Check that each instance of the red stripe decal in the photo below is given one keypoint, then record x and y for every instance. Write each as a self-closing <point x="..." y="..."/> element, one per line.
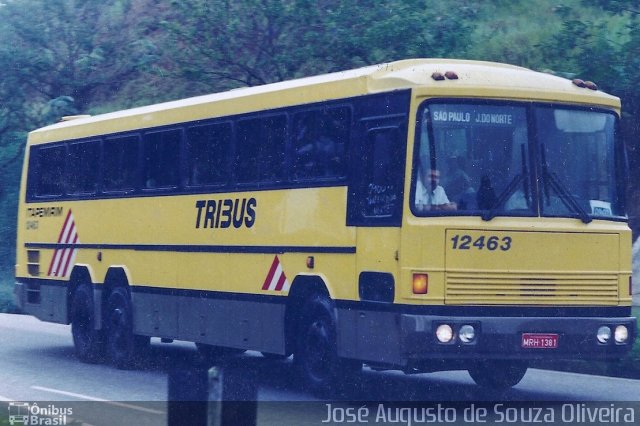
<point x="281" y="282"/>
<point x="57" y="253"/>
<point x="272" y="271"/>
<point x="53" y="260"/>
<point x="68" y="262"/>
<point x="64" y="226"/>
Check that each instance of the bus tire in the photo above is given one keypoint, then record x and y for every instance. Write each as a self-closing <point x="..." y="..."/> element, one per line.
<point x="316" y="355"/>
<point x="498" y="375"/>
<point x="121" y="342"/>
<point x="87" y="341"/>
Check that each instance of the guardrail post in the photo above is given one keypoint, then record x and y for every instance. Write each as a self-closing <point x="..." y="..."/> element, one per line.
<point x="233" y="396"/>
<point x="188" y="395"/>
<point x="218" y="396"/>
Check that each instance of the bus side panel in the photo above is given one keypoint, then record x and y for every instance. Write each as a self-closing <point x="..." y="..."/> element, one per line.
<point x="369" y="336"/>
<point x="233" y="323"/>
<point x="46" y="300"/>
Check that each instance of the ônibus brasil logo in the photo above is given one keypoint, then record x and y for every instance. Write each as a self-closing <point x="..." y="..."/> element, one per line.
<point x="23" y="413"/>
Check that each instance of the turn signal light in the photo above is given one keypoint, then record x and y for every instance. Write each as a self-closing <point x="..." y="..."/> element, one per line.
<point x="451" y="75"/>
<point x="420" y="283"/>
<point x="585" y="84"/>
<point x="578" y="82"/>
<point x="591" y="85"/>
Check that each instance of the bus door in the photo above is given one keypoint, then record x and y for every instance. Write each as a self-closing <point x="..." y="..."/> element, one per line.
<point x="375" y="208"/>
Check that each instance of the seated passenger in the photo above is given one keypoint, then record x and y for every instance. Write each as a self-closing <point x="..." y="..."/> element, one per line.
<point x="429" y="194"/>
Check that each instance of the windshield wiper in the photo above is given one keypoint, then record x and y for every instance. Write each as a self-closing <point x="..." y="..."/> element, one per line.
<point x="565" y="196"/>
<point x="511" y="188"/>
<point x="503" y="197"/>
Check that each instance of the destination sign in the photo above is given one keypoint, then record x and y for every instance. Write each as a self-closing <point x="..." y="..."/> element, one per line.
<point x="477" y="115"/>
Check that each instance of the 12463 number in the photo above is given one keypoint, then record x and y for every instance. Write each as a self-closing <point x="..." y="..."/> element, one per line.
<point x="466" y="242"/>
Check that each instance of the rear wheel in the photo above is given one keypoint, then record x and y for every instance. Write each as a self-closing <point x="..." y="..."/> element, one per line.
<point x="122" y="345"/>
<point x="498" y="374"/>
<point x="316" y="356"/>
<point x="87" y="341"/>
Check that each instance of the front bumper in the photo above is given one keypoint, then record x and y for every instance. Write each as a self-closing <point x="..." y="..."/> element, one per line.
<point x="502" y="337"/>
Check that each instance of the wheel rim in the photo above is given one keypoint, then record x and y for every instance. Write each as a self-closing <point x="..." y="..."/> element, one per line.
<point x="82" y="326"/>
<point x="318" y="356"/>
<point x="117" y="324"/>
<point x="119" y="332"/>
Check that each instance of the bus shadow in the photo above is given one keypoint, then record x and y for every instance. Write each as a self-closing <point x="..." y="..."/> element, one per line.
<point x="277" y="380"/>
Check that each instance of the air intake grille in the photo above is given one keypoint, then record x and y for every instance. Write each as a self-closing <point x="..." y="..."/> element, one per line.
<point x="505" y="288"/>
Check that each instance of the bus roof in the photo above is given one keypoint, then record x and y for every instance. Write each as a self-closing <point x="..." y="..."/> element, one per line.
<point x="474" y="79"/>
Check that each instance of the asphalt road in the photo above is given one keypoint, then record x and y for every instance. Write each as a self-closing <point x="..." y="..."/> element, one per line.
<point x="37" y="364"/>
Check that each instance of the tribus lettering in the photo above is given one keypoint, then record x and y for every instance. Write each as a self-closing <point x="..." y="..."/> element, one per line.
<point x="227" y="212"/>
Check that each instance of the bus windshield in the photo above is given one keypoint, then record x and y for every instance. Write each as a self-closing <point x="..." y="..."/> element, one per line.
<point x="476" y="159"/>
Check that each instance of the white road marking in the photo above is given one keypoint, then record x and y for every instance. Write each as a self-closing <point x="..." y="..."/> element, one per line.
<point x="93" y="398"/>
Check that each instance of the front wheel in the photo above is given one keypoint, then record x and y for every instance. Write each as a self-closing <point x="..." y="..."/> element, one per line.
<point x="316" y="356"/>
<point x="498" y="374"/>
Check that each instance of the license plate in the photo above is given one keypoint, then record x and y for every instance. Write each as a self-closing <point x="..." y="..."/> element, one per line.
<point x="539" y="341"/>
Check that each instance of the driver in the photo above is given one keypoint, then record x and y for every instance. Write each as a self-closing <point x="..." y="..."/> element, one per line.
<point x="429" y="194"/>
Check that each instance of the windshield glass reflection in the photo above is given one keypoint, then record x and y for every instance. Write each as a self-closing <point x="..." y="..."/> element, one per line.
<point x="481" y="155"/>
<point x="475" y="159"/>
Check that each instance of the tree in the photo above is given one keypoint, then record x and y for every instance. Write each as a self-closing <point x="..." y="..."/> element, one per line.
<point x="229" y="43"/>
<point x="82" y="49"/>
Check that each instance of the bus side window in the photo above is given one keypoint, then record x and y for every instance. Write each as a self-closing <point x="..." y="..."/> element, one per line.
<point x="320" y="140"/>
<point x="120" y="158"/>
<point x="49" y="171"/>
<point x="260" y="149"/>
<point x="83" y="173"/>
<point x="207" y="154"/>
<point x="272" y="148"/>
<point x="160" y="162"/>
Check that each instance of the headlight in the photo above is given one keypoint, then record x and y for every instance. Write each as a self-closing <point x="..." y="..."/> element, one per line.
<point x="621" y="334"/>
<point x="467" y="334"/>
<point x="444" y="333"/>
<point x="604" y="334"/>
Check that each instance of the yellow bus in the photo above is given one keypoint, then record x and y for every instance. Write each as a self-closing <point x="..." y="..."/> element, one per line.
<point x="419" y="215"/>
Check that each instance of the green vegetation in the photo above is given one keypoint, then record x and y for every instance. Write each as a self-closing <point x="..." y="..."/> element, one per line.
<point x="6" y="299"/>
